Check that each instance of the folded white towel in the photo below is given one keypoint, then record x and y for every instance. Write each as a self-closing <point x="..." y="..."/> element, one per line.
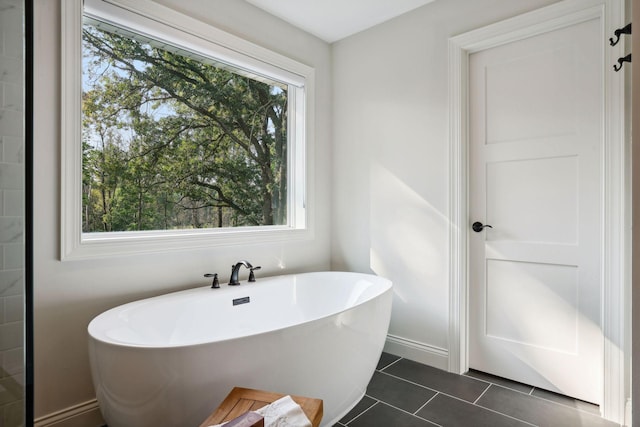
<point x="283" y="412"/>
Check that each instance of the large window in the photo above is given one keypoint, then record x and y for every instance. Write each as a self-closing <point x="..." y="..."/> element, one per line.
<point x="188" y="136"/>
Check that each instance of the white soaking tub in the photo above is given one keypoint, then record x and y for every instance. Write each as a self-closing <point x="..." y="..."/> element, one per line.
<point x="170" y="360"/>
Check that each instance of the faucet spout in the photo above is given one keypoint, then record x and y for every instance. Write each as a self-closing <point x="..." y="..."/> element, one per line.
<point x="235" y="269"/>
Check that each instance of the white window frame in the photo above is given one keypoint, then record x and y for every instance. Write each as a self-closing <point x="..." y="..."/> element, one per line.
<point x="159" y="22"/>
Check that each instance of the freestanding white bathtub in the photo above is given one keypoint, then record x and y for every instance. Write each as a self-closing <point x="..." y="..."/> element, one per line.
<point x="170" y="360"/>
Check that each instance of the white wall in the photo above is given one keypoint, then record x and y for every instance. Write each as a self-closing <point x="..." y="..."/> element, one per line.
<point x="390" y="161"/>
<point x="69" y="294"/>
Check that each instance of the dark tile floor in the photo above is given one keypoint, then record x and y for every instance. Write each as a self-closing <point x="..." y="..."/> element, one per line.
<point x="403" y="393"/>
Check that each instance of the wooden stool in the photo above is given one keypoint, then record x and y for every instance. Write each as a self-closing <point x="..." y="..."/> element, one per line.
<point x="242" y="400"/>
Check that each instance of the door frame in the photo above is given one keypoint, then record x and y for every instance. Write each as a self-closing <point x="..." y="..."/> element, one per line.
<point x="615" y="225"/>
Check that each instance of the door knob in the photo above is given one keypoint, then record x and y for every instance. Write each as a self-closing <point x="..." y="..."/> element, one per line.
<point x="478" y="226"/>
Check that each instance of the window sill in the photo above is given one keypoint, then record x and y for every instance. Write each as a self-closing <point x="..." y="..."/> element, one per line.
<point x="114" y="244"/>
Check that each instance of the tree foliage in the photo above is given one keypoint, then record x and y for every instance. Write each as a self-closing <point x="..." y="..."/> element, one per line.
<point x="173" y="140"/>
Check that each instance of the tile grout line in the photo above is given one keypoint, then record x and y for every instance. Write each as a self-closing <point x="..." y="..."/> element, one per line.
<point x="488" y="409"/>
<point x="457" y="398"/>
<point x="507" y="415"/>
<point x="366" y="410"/>
<point x="552" y="402"/>
<point x="382" y="402"/>
<point x="390" y="364"/>
<point x="433" y="389"/>
<point x="531" y="393"/>
<point x="533" y="389"/>
<point x="411" y="382"/>
<point x="466" y="401"/>
<point x="492" y="381"/>
<point x="426" y="403"/>
<point x="475" y="402"/>
<point x="566" y="405"/>
<point x="494" y="410"/>
<point x="408" y="413"/>
<point x="453" y="397"/>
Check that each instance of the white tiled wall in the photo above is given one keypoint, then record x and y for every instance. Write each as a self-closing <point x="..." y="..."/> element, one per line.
<point x="11" y="214"/>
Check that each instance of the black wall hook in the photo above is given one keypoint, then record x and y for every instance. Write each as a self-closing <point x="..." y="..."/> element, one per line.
<point x="624" y="30"/>
<point x="621" y="61"/>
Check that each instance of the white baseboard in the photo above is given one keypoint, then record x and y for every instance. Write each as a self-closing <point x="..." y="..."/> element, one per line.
<point x="85" y="414"/>
<point x="417" y="351"/>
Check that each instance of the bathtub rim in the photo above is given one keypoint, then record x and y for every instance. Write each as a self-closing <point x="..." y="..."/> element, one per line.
<point x="387" y="287"/>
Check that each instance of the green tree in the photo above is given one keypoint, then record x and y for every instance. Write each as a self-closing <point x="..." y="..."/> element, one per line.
<point x="176" y="141"/>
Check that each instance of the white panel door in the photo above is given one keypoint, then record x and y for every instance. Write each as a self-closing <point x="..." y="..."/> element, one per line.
<point x="535" y="177"/>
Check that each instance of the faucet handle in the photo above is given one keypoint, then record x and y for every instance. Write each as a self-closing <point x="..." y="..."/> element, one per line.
<point x="216" y="283"/>
<point x="252" y="276"/>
